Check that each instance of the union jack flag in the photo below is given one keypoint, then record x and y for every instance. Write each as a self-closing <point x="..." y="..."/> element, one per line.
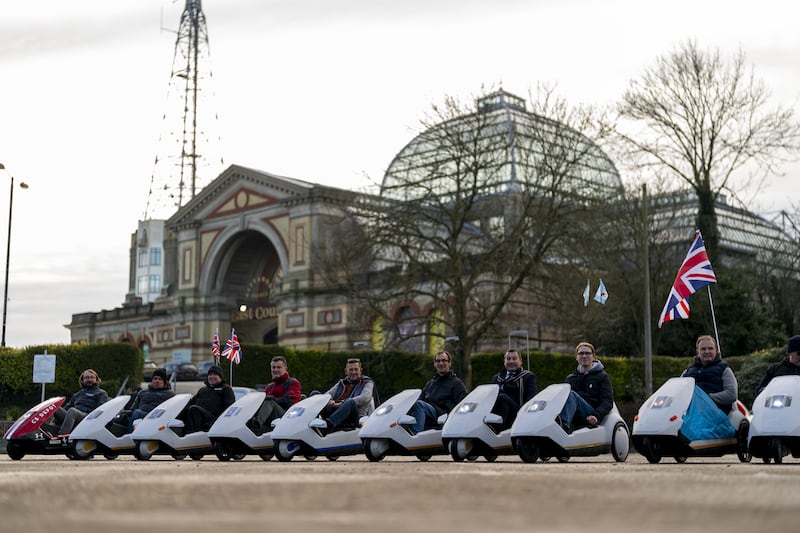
<point x="695" y="273"/>
<point x="215" y="348"/>
<point x="233" y="351"/>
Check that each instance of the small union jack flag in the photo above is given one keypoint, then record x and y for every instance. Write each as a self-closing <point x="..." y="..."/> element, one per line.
<point x="233" y="351"/>
<point x="215" y="348"/>
<point x="695" y="273"/>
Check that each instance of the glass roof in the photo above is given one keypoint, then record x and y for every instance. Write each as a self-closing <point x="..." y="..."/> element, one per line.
<point x="741" y="231"/>
<point x="508" y="148"/>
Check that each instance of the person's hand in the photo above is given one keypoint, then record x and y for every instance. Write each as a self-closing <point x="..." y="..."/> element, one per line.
<point x="592" y="420"/>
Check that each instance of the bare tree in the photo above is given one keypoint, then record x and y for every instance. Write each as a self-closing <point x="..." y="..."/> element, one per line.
<point x="470" y="215"/>
<point x="707" y="122"/>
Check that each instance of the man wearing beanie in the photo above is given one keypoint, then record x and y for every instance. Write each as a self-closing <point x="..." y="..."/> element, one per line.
<point x="157" y="391"/>
<point x="788" y="366"/>
<point x="209" y="402"/>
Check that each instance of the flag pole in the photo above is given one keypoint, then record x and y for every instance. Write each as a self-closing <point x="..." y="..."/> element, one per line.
<point x="648" y="335"/>
<point x="586" y="294"/>
<point x="714" y="319"/>
<point x="231" y="372"/>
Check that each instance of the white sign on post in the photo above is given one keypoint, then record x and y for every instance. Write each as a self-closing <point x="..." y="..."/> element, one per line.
<point x="183" y="355"/>
<point x="44" y="368"/>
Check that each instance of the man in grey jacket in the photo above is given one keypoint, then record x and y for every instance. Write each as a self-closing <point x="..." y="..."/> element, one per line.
<point x="351" y="397"/>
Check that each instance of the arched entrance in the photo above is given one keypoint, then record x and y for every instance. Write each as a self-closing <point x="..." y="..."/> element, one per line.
<point x="249" y="281"/>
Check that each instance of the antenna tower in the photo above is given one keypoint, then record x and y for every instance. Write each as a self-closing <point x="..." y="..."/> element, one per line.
<point x="187" y="158"/>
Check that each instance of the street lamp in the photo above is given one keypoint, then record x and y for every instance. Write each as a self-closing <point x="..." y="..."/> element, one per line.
<point x="23" y="185"/>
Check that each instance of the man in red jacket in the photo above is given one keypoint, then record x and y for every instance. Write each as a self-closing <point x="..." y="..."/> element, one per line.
<point x="282" y="393"/>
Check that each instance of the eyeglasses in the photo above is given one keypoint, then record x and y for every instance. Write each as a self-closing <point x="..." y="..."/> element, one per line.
<point x="441" y="360"/>
<point x="584" y="353"/>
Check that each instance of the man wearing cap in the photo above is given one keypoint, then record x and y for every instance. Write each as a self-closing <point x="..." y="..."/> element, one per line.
<point x="788" y="366"/>
<point x="209" y="402"/>
<point x="157" y="391"/>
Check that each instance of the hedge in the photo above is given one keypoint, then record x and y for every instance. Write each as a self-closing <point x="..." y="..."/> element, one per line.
<point x="393" y="371"/>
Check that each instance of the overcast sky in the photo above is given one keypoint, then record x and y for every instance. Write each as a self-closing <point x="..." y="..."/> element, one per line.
<point x="321" y="90"/>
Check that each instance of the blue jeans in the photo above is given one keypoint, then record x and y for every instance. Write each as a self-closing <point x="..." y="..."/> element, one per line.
<point x="422" y="411"/>
<point x="135" y="415"/>
<point x="575" y="405"/>
<point x="345" y="413"/>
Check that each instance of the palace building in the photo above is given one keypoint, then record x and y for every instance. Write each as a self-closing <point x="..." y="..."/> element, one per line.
<point x="241" y="253"/>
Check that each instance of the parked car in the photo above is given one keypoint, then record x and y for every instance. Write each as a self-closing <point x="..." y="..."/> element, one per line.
<point x="202" y="368"/>
<point x="147" y="371"/>
<point x="182" y="371"/>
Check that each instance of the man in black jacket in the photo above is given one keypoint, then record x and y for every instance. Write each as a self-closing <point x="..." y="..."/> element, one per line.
<point x="440" y="394"/>
<point x="788" y="366"/>
<point x="713" y="375"/>
<point x="592" y="396"/>
<point x="157" y="392"/>
<point x="209" y="402"/>
<point x="82" y="402"/>
<point x="517" y="386"/>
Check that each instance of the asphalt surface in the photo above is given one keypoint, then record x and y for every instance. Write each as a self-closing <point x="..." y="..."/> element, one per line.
<point x="51" y="493"/>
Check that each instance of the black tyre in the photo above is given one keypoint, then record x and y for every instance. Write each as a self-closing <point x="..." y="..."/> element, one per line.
<point x="284" y="450"/>
<point x="372" y="450"/>
<point x="742" y="434"/>
<point x="453" y="449"/>
<point x="15" y="450"/>
<point x="528" y="450"/>
<point x="223" y="451"/>
<point x="620" y="442"/>
<point x="776" y="450"/>
<point x="650" y="450"/>
<point x="80" y="450"/>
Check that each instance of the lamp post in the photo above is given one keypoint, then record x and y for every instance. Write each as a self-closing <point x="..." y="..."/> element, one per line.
<point x="8" y="251"/>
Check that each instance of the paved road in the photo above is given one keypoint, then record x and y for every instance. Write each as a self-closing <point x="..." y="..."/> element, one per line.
<point x="39" y="494"/>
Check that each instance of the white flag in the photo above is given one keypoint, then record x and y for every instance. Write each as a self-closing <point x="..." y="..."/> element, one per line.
<point x="601" y="295"/>
<point x="586" y="294"/>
